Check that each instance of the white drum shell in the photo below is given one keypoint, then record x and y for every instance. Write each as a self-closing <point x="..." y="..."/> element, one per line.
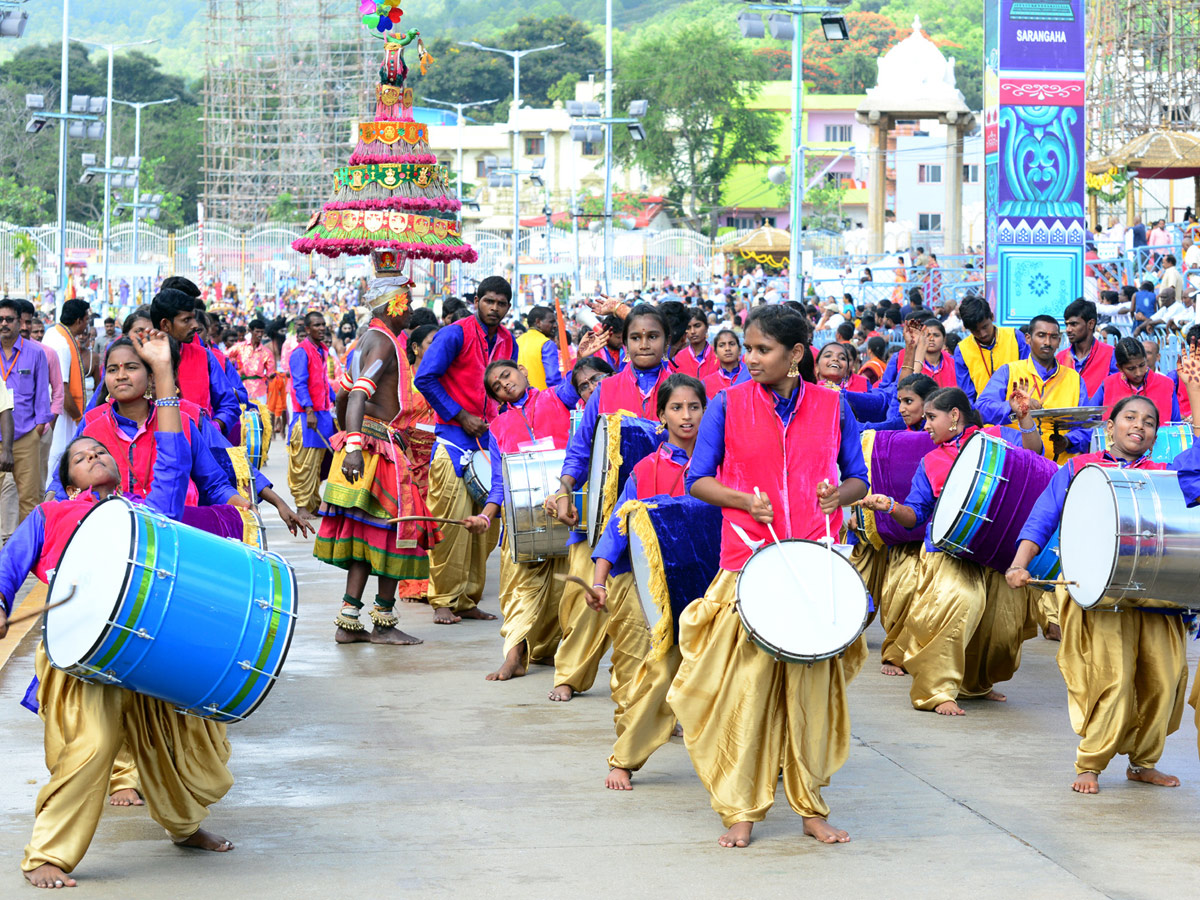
<point x="529" y="478"/>
<point x="597" y="474"/>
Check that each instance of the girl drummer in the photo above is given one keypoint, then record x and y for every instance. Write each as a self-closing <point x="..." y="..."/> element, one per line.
<point x="1135" y="378"/>
<point x="907" y="409"/>
<point x="646" y="722"/>
<point x="531" y="420"/>
<point x="634" y="390"/>
<point x="732" y="370"/>
<point x="696" y="358"/>
<point x="766" y="452"/>
<point x="1126" y="672"/>
<point x="182" y="759"/>
<point x="959" y="640"/>
<point x="835" y="369"/>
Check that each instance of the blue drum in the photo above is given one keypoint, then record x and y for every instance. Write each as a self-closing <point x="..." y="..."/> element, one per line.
<point x="1173" y="438"/>
<point x="256" y="437"/>
<point x="674" y="551"/>
<point x="170" y="611"/>
<point x="580" y="495"/>
<point x="620" y="443"/>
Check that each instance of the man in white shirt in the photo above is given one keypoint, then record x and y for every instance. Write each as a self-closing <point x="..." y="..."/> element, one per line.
<point x="1171" y="277"/>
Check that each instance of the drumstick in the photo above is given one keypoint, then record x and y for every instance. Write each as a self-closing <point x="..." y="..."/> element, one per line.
<point x="437" y="519"/>
<point x="587" y="588"/>
<point x="829" y="544"/>
<point x="1059" y="583"/>
<point x="33" y="614"/>
<point x="787" y="562"/>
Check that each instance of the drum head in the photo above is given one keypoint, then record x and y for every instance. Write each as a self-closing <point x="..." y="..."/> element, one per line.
<point x="641" y="579"/>
<point x="959" y="486"/>
<point x="1088" y="536"/>
<point x="807" y="619"/>
<point x="481" y="465"/>
<point x="599" y="466"/>
<point x="96" y="563"/>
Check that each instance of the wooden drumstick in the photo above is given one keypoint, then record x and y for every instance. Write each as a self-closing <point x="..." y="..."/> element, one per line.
<point x="1059" y="583"/>
<point x="829" y="544"/>
<point x="587" y="588"/>
<point x="787" y="562"/>
<point x="25" y="617"/>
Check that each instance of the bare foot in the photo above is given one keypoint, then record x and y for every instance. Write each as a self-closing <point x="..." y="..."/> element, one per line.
<point x="677" y="731"/>
<point x="476" y="613"/>
<point x="444" y="615"/>
<point x="1086" y="783"/>
<point x="391" y="635"/>
<point x="995" y="696"/>
<point x="738" y="835"/>
<point x="891" y="669"/>
<point x="618" y="780"/>
<point x="1152" y="776"/>
<point x="562" y="693"/>
<point x="206" y="840"/>
<point x="949" y="708"/>
<point x="126" y="797"/>
<point x="48" y="876"/>
<point x="1052" y="632"/>
<point x="342" y="636"/>
<point x="823" y="831"/>
<point x="512" y="667"/>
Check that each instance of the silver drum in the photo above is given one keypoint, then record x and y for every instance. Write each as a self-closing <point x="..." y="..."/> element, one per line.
<point x="529" y="478"/>
<point x="1129" y="540"/>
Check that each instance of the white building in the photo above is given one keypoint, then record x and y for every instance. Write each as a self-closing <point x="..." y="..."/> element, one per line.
<point x="919" y="161"/>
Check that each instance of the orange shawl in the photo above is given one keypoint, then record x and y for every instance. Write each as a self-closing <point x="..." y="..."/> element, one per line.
<point x="75" y="383"/>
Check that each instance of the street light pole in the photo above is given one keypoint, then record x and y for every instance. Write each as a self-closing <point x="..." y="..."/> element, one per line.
<point x="459" y="124"/>
<point x="515" y="56"/>
<point x="110" y="49"/>
<point x="137" y="151"/>
<point x="608" y="140"/>
<point x="62" y="168"/>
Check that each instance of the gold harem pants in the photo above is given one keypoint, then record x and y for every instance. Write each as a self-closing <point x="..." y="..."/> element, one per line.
<point x="746" y="716"/>
<point x="181" y="761"/>
<point x="458" y="562"/>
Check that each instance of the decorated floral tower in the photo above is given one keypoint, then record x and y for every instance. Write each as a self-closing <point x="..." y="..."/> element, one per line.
<point x="390" y="200"/>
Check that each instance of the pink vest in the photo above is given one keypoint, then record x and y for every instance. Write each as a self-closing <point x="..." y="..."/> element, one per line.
<point x="61" y="518"/>
<point x="1185" y="405"/>
<point x="318" y="378"/>
<point x="193" y="374"/>
<point x="659" y="474"/>
<point x="857" y="383"/>
<point x="620" y="392"/>
<point x="687" y="363"/>
<point x="786" y="464"/>
<point x="1156" y="388"/>
<point x="1095" y="367"/>
<point x="542" y="416"/>
<point x="463" y="378"/>
<point x="1078" y="462"/>
<point x="944" y="376"/>
<point x="135" y="458"/>
<point x="940" y="459"/>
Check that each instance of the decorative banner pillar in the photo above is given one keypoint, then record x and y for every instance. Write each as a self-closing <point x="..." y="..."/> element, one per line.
<point x="1034" y="156"/>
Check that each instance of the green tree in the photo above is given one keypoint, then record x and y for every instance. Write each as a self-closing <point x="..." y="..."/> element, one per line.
<point x="849" y="67"/>
<point x="25" y="253"/>
<point x="699" y="123"/>
<point x="24" y="204"/>
<point x="283" y="208"/>
<point x="564" y="89"/>
<point x="823" y="199"/>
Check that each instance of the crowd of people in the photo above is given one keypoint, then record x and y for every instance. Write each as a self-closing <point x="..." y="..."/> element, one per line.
<point x="399" y="424"/>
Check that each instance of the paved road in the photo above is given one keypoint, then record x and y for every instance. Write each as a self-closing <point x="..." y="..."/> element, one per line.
<point x="381" y="771"/>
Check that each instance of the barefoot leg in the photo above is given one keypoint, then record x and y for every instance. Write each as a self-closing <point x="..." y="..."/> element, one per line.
<point x="1151" y="775"/>
<point x="891" y="669"/>
<point x="48" y="876"/>
<point x="126" y="797"/>
<point x="738" y="835"/>
<point x="1052" y="632"/>
<point x="619" y="780"/>
<point x="476" y="613"/>
<point x="513" y="666"/>
<point x="823" y="831"/>
<point x="390" y="634"/>
<point x="205" y="840"/>
<point x="1086" y="783"/>
<point x="444" y="615"/>
<point x="562" y="693"/>
<point x="949" y="708"/>
<point x="994" y="696"/>
<point x="342" y="636"/>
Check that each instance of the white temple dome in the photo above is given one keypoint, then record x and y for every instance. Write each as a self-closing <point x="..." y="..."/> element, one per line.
<point x="914" y="77"/>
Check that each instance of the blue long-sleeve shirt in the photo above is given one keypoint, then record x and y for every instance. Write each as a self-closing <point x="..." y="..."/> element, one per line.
<point x="447" y="344"/>
<point x="870" y="405"/>
<point x="550" y="364"/>
<point x="963" y="375"/>
<point x="893" y="421"/>
<point x="225" y="406"/>
<point x="28" y="378"/>
<point x="315" y="438"/>
<point x="710" y="440"/>
<point x="613" y="545"/>
<point x="891" y="373"/>
<point x="567" y="396"/>
<point x="219" y="446"/>
<point x="234" y="379"/>
<point x="166" y="496"/>
<point x="211" y="480"/>
<point x="1176" y="413"/>
<point x="993" y="403"/>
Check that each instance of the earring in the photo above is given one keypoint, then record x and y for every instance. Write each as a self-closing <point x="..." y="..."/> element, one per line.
<point x="794" y="371"/>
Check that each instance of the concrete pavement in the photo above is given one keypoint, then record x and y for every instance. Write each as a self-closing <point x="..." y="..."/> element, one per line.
<point x="398" y="771"/>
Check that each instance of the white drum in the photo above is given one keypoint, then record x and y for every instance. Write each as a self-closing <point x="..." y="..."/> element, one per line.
<point x="597" y="472"/>
<point x="792" y="609"/>
<point x="529" y="478"/>
<point x="1128" y="539"/>
<point x="477" y="473"/>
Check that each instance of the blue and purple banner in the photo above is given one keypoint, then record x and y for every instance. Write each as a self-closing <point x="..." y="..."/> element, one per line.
<point x="1034" y="160"/>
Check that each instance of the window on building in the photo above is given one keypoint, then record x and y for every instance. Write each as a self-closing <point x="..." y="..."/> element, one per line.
<point x="838" y="133"/>
<point x="929" y="174"/>
<point x="535" y="146"/>
<point x="748" y="221"/>
<point x="970" y="174"/>
<point x="834" y="179"/>
<point x="590" y="149"/>
<point x="929" y="221"/>
<point x="480" y="168"/>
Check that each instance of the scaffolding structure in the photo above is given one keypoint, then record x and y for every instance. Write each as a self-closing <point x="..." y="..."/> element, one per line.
<point x="285" y="84"/>
<point x="1143" y="69"/>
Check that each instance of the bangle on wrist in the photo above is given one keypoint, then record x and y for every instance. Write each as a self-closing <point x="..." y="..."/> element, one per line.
<point x="486" y="518"/>
<point x="891" y="504"/>
<point x="599" y="587"/>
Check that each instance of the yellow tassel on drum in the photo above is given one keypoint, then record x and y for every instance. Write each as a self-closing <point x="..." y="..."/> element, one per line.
<point x="241" y="470"/>
<point x="609" y="501"/>
<point x="635" y="514"/>
<point x="251" y="531"/>
<point x="868" y="515"/>
<point x="265" y="415"/>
